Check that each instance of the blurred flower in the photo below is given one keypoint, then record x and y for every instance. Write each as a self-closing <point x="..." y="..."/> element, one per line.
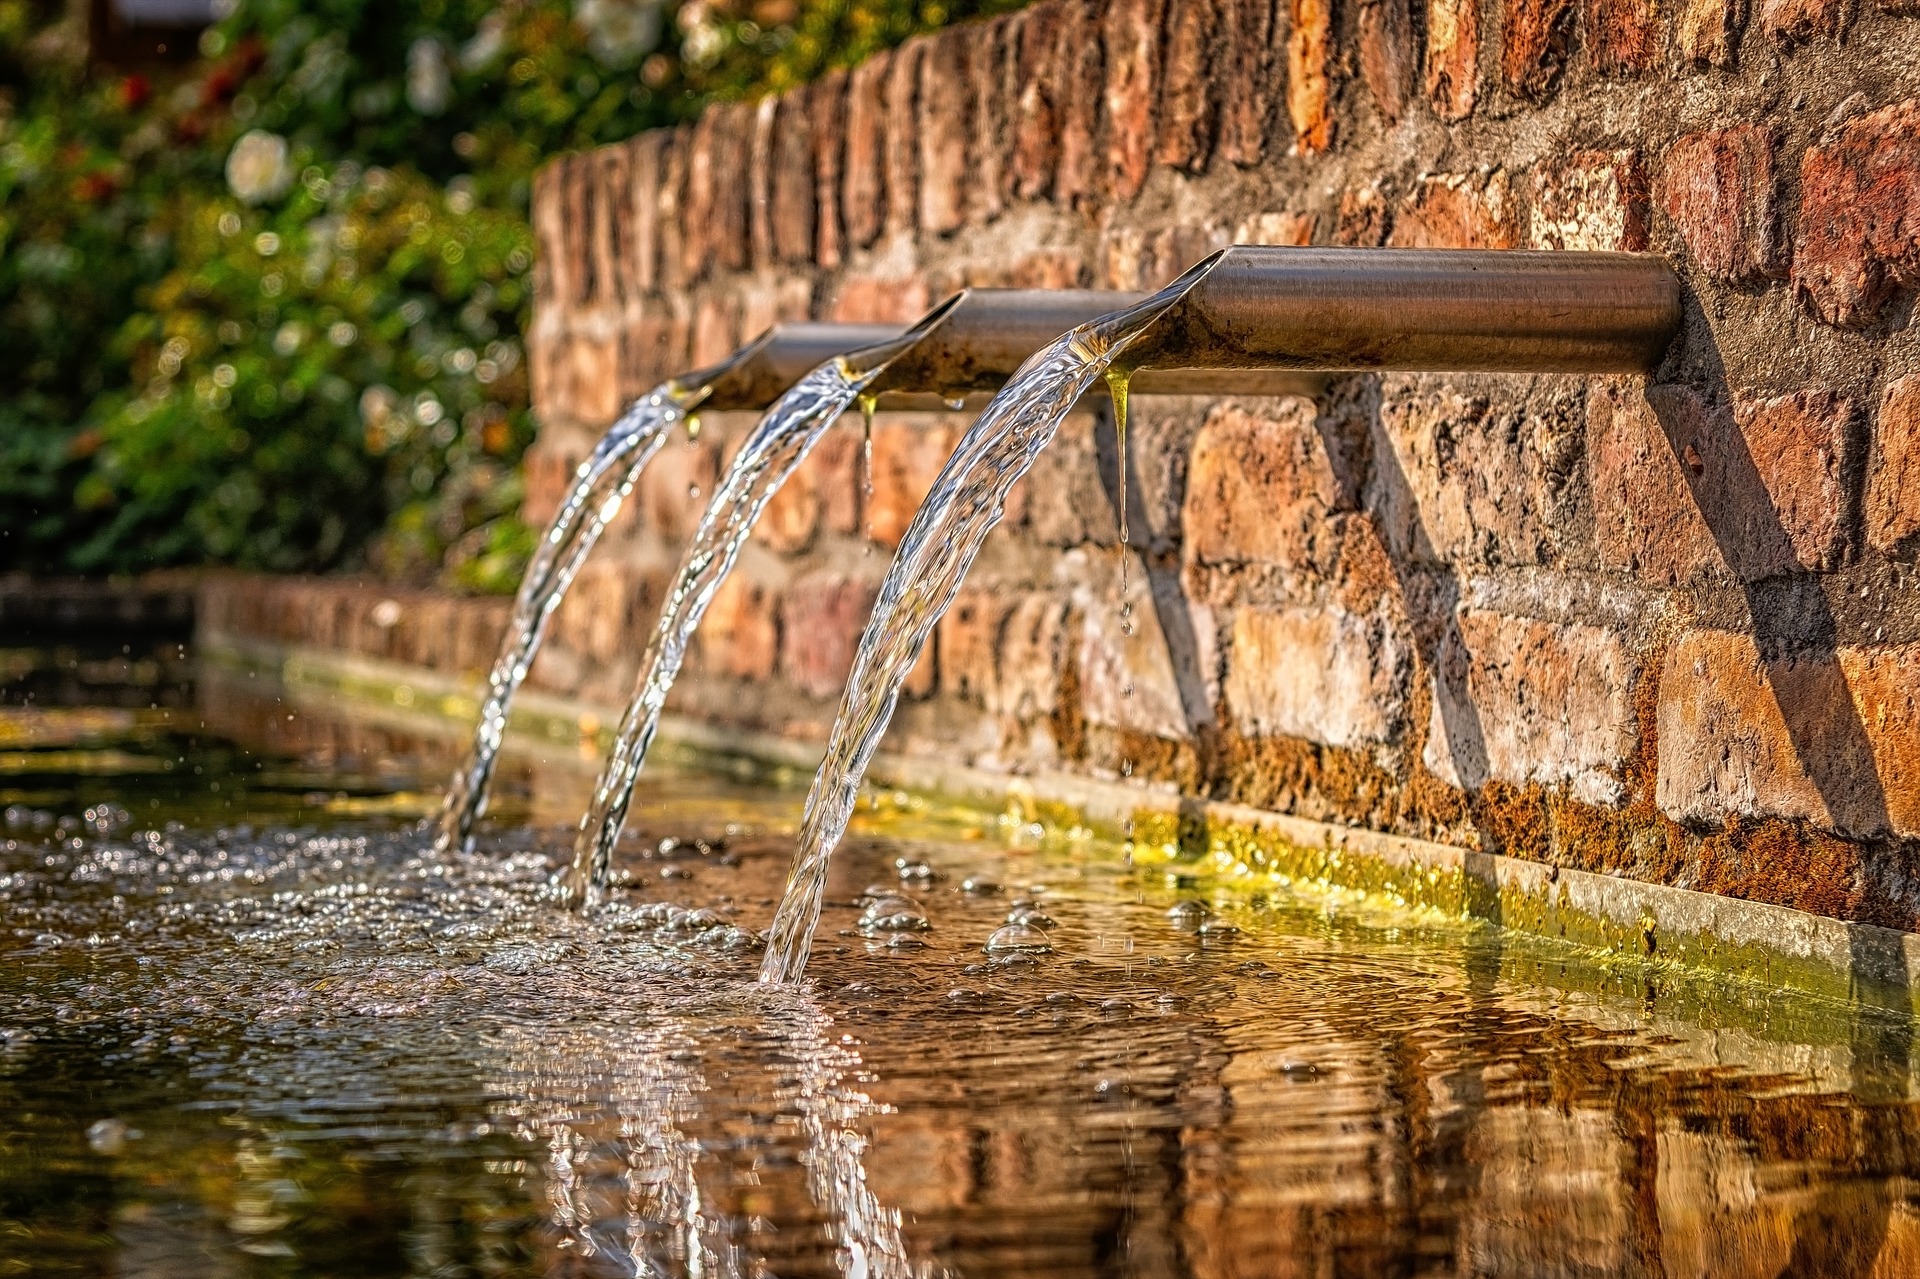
<point x="257" y="167"/>
<point x="618" y="31"/>
<point x="134" y="92"/>
<point x="429" y="81"/>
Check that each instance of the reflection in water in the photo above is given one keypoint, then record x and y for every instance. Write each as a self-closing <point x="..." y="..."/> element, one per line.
<point x="312" y="1046"/>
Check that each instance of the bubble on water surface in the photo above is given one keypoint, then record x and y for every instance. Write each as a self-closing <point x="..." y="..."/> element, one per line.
<point x="1019" y="939"/>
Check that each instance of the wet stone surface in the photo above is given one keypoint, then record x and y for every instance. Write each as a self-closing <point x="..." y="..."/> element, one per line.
<point x="265" y="1030"/>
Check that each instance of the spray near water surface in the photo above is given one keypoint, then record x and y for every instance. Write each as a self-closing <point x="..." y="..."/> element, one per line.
<point x="966" y="501"/>
<point x="776" y="448"/>
<point x="600" y="484"/>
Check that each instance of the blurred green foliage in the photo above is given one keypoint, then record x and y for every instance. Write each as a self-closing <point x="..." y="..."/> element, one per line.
<point x="266" y="308"/>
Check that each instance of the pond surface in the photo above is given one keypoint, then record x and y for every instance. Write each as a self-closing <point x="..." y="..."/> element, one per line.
<point x="250" y="1025"/>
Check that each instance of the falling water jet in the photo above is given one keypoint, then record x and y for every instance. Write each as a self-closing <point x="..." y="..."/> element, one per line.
<point x="600" y="485"/>
<point x="1302" y="309"/>
<point x="772" y="452"/>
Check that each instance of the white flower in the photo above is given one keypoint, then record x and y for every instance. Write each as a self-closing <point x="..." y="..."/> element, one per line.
<point x="257" y="168"/>
<point x="618" y="31"/>
<point x="429" y="81"/>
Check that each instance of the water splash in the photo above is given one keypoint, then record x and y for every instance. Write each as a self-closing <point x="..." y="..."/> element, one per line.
<point x="778" y="445"/>
<point x="600" y="484"/>
<point x="967" y="500"/>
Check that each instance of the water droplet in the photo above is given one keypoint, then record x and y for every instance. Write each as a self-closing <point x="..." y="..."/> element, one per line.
<point x="1188" y="914"/>
<point x="693" y="492"/>
<point x="894" y="913"/>
<point x="1019" y="939"/>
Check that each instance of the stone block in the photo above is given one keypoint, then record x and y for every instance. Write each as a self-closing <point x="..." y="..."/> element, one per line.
<point x="946" y="93"/>
<point x="1131" y="37"/>
<point x="1067" y="504"/>
<point x="908" y="451"/>
<point x="1831" y="738"/>
<point x="1248" y="64"/>
<point x="970" y="644"/>
<point x="863" y="189"/>
<point x="740" y="635"/>
<point x="1720" y="191"/>
<point x="1622" y="35"/>
<point x="1857" y="238"/>
<point x="1458" y="211"/>
<point x="1310" y="74"/>
<point x="1529" y="702"/>
<point x="867" y="300"/>
<point x="1276" y="228"/>
<point x="1453" y="58"/>
<point x="822" y="617"/>
<point x="1795" y="21"/>
<point x="677" y="485"/>
<point x="1324" y="675"/>
<point x="827" y="114"/>
<point x="1261" y="490"/>
<point x="1079" y="81"/>
<point x="1535" y="38"/>
<point x="1387" y="55"/>
<point x="1893" y="473"/>
<point x="1036" y="112"/>
<point x="902" y="145"/>
<point x="1026" y="673"/>
<point x="793" y="186"/>
<point x="1706" y="31"/>
<point x="1134" y="676"/>
<point x="1189" y="104"/>
<point x="1590" y="200"/>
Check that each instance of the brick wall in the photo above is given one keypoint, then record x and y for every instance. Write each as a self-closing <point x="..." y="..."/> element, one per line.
<point x="1669" y="629"/>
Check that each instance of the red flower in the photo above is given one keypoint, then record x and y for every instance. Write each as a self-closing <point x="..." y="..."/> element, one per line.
<point x="134" y="92"/>
<point x="95" y="188"/>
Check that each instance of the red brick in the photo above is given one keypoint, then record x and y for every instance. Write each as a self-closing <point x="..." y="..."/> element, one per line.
<point x="903" y="136"/>
<point x="1037" y="114"/>
<point x="1189" y="105"/>
<point x="613" y="243"/>
<point x="776" y="300"/>
<point x="1079" y="83"/>
<point x="1720" y="192"/>
<point x="864" y="179"/>
<point x="792" y="196"/>
<point x="1799" y="20"/>
<point x="1260" y="491"/>
<point x="823" y="490"/>
<point x="1858" y="234"/>
<point x="1591" y="200"/>
<point x="548" y="467"/>
<point x="1828" y="738"/>
<point x="1125" y="664"/>
<point x="655" y="347"/>
<point x="740" y="635"/>
<point x="677" y="485"/>
<point x="1453" y="57"/>
<point x="822" y="617"/>
<point x="1131" y="34"/>
<point x="1893" y="475"/>
<point x="827" y="113"/>
<point x="1247" y="75"/>
<point x="1551" y="704"/>
<point x="837" y="470"/>
<point x="946" y="116"/>
<point x="1175" y="248"/>
<point x="1048" y="269"/>
<point x="1362" y="220"/>
<point x="908" y="451"/>
<point x="719" y="226"/>
<point x="589" y="380"/>
<point x="671" y="212"/>
<point x="1706" y="31"/>
<point x="1458" y="211"/>
<point x="1326" y="675"/>
<point x="1276" y="228"/>
<point x="1026" y="675"/>
<point x="578" y="215"/>
<point x="716" y="328"/>
<point x="1310" y="74"/>
<point x="995" y="54"/>
<point x="1534" y="40"/>
<point x="1066" y="502"/>
<point x="643" y="212"/>
<point x="550" y="282"/>
<point x="1623" y="35"/>
<point x="1645" y="518"/>
<point x="865" y="300"/>
<point x="970" y="643"/>
<point x="1387" y="55"/>
<point x="760" y="184"/>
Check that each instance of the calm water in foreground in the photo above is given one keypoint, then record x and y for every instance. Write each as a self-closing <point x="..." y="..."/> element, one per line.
<point x="251" y="1025"/>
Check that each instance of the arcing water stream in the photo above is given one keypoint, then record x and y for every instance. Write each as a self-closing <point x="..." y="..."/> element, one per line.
<point x="600" y="485"/>
<point x="966" y="501"/>
<point x="775" y="449"/>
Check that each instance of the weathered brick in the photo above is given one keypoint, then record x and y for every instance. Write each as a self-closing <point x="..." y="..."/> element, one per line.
<point x="1591" y="200"/>
<point x="1458" y="211"/>
<point x="1387" y="57"/>
<point x="740" y="635"/>
<point x="822" y="617"/>
<point x="792" y="197"/>
<point x="827" y="113"/>
<point x="1324" y="674"/>
<point x="1249" y="35"/>
<point x="946" y="114"/>
<point x="970" y="644"/>
<point x="1173" y="249"/>
<point x="717" y="160"/>
<point x="1079" y="88"/>
<point x="1131" y="37"/>
<point x="908" y="451"/>
<point x="776" y="300"/>
<point x="1529" y="702"/>
<point x="1036" y="112"/>
<point x="1066" y="502"/>
<point x="655" y="347"/>
<point x="1261" y="491"/>
<point x="1829" y="738"/>
<point x="1048" y="269"/>
<point x="866" y="300"/>
<point x="1310" y="74"/>
<point x="589" y="387"/>
<point x="994" y="77"/>
<point x="1706" y="31"/>
<point x="1893" y="476"/>
<point x="1276" y="228"/>
<point x="1534" y="40"/>
<point x="1128" y="665"/>
<point x="760" y="253"/>
<point x="1453" y="57"/>
<point x="1026" y="672"/>
<point x="1363" y="219"/>
<point x="613" y="239"/>
<point x="902" y="150"/>
<point x="716" y="328"/>
<point x="864" y="179"/>
<point x="671" y="210"/>
<point x="1189" y="105"/>
<point x="677" y="485"/>
<point x="1858" y="234"/>
<point x="643" y="212"/>
<point x="1646" y="520"/>
<point x="549" y="221"/>
<point x="1720" y="191"/>
<point x="1801" y="20"/>
<point x="1623" y="35"/>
